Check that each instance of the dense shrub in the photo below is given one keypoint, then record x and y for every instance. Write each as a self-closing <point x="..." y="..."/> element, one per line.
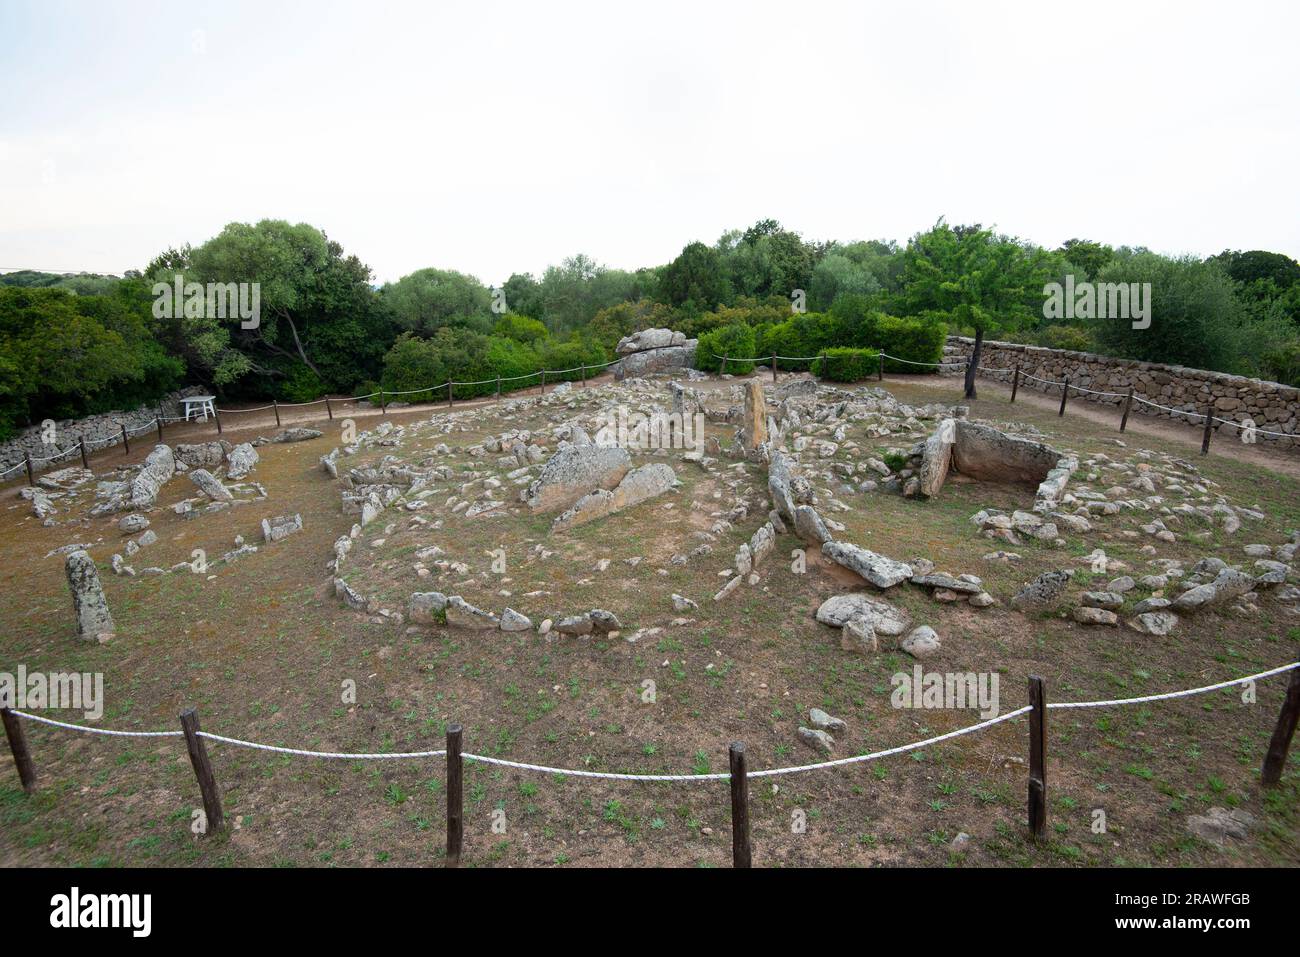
<point x="846" y="364"/>
<point x="1071" y="338"/>
<point x="918" y="340"/>
<point x="735" y="341"/>
<point x="803" y="334"/>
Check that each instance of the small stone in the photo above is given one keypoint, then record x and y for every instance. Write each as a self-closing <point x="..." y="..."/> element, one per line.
<point x="819" y="741"/>
<point x="921" y="642"/>
<point x="825" y="722"/>
<point x="1095" y="616"/>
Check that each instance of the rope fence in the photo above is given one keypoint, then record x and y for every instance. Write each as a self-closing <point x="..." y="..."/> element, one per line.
<point x="738" y="775"/>
<point x="84" y="446"/>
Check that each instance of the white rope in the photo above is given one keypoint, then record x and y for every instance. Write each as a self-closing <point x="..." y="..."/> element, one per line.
<point x="89" y="730"/>
<point x="1173" y="694"/>
<point x="374" y="756"/>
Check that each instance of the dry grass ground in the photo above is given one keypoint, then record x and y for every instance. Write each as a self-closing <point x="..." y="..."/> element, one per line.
<point x="262" y="649"/>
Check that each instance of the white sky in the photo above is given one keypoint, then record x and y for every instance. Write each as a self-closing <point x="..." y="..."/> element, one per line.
<point x="502" y="137"/>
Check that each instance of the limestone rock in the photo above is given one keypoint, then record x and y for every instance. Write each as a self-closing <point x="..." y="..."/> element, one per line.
<point x="921" y="642"/>
<point x="877" y="569"/>
<point x="884" y="618"/>
<point x="574" y="472"/>
<point x="94" y="622"/>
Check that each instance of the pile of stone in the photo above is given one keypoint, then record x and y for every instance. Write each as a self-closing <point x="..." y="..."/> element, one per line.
<point x="653" y="350"/>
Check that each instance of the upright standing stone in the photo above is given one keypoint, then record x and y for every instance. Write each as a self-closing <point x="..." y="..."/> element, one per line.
<point x="94" y="623"/>
<point x="754" y="432"/>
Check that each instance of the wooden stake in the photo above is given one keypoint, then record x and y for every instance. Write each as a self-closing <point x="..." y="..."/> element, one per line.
<point x="18" y="745"/>
<point x="498" y="387"/>
<point x="1015" y="383"/>
<point x="1275" y="760"/>
<point x="383" y="403"/>
<point x="27" y="458"/>
<point x="84" y="463"/>
<point x="217" y="415"/>
<point x="126" y="442"/>
<point x="1209" y="429"/>
<point x="455" y="796"/>
<point x="880" y="372"/>
<point x="1128" y="404"/>
<point x="158" y="420"/>
<point x="450" y="401"/>
<point x="1037" y="757"/>
<point x="543" y="382"/>
<point x="202" y="770"/>
<point x="276" y="405"/>
<point x="329" y="409"/>
<point x="773" y="368"/>
<point x="1065" y="394"/>
<point x="584" y="374"/>
<point x="740" y="850"/>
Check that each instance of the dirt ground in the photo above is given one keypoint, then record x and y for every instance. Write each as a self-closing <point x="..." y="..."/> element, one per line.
<point x="264" y="651"/>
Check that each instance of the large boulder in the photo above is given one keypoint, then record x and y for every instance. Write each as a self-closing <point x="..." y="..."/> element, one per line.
<point x="159" y="466"/>
<point x="637" y="486"/>
<point x="94" y="622"/>
<point x="654" y="350"/>
<point x="780" y="476"/>
<point x="649" y="339"/>
<point x="209" y="485"/>
<point x="884" y="618"/>
<point x="575" y="471"/>
<point x="240" y="460"/>
<point x="877" y="569"/>
<point x="205" y="455"/>
<point x="985" y="453"/>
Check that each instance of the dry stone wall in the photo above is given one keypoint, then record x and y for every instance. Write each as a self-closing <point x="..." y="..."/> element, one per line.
<point x="1270" y="406"/>
<point x="100" y="431"/>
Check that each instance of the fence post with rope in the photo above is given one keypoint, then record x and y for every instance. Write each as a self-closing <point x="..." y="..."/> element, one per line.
<point x="1037" y="757"/>
<point x="1209" y="426"/>
<point x="1015" y="383"/>
<point x="455" y="795"/>
<point x="1128" y="405"/>
<point x="740" y="849"/>
<point x="18" y="746"/>
<point x="85" y="464"/>
<point x="1065" y="394"/>
<point x="202" y="770"/>
<point x="1280" y="743"/>
<point x="27" y="459"/>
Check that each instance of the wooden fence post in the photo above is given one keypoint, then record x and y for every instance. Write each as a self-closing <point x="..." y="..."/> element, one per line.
<point x="1209" y="429"/>
<point x="82" y="442"/>
<point x="450" y="400"/>
<point x="276" y="406"/>
<point x="202" y="770"/>
<point x="383" y="403"/>
<point x="880" y="371"/>
<point x="329" y="409"/>
<point x="23" y="757"/>
<point x="584" y="375"/>
<point x="498" y="387"/>
<point x="1065" y="394"/>
<point x="1275" y="760"/>
<point x="126" y="442"/>
<point x="158" y="420"/>
<point x="1128" y="404"/>
<point x="1037" y="757"/>
<point x="773" y="368"/>
<point x="740" y="850"/>
<point x="455" y="795"/>
<point x="543" y="382"/>
<point x="217" y="415"/>
<point x="27" y="459"/>
<point x="1015" y="383"/>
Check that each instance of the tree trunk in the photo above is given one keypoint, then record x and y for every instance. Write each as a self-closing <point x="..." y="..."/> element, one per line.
<point x="974" y="363"/>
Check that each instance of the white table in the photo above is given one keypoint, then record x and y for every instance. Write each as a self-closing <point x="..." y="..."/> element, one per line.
<point x="199" y="406"/>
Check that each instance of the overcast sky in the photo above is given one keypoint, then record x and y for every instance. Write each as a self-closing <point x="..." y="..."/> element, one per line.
<point x="501" y="137"/>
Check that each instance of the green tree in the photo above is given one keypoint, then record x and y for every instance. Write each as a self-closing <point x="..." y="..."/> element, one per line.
<point x="973" y="279"/>
<point x="429" y="299"/>
<point x="695" y="280"/>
